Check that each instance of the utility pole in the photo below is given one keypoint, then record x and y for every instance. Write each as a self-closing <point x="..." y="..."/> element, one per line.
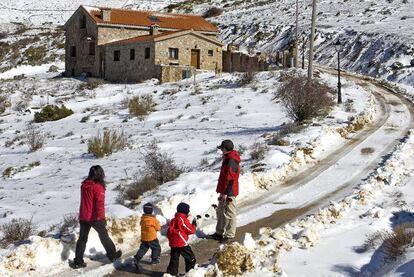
<point x="296" y="35"/>
<point x="311" y="39"/>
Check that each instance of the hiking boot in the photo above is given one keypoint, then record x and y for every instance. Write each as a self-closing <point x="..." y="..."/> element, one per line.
<point x="215" y="236"/>
<point x="226" y="240"/>
<point x="118" y="255"/>
<point x="75" y="265"/>
<point x="157" y="261"/>
<point x="136" y="261"/>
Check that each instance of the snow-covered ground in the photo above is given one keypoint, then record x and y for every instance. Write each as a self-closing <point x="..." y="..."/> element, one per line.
<point x="189" y="123"/>
<point x="191" y="119"/>
<point x="377" y="35"/>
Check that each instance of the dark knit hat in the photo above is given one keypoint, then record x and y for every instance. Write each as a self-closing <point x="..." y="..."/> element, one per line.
<point x="226" y="145"/>
<point x="183" y="208"/>
<point x="148" y="208"/>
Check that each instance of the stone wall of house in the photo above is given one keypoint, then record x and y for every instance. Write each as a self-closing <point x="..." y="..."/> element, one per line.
<point x="127" y="70"/>
<point x="109" y="34"/>
<point x="185" y="44"/>
<point x="171" y="73"/>
<point x="79" y="37"/>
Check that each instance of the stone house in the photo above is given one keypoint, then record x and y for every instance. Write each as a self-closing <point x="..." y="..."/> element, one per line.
<point x="129" y="46"/>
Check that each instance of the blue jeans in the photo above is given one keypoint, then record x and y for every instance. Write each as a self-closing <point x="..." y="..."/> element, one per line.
<point x="155" y="250"/>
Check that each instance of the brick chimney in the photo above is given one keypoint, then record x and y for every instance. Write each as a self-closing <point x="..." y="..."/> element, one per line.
<point x="106" y="14"/>
<point x="154" y="30"/>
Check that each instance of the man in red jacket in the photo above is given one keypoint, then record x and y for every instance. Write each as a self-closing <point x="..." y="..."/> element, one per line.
<point x="228" y="187"/>
<point x="178" y="231"/>
<point x="92" y="214"/>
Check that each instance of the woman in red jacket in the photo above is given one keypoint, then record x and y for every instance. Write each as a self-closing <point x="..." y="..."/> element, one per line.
<point x="92" y="214"/>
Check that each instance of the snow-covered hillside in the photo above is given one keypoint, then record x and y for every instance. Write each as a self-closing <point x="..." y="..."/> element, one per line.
<point x="41" y="12"/>
<point x="192" y="117"/>
<point x="377" y="35"/>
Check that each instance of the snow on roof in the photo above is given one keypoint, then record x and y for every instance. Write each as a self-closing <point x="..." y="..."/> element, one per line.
<point x="90" y="9"/>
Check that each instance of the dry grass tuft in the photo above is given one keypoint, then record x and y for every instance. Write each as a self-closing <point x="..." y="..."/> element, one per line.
<point x="234" y="259"/>
<point x="141" y="106"/>
<point x="110" y="142"/>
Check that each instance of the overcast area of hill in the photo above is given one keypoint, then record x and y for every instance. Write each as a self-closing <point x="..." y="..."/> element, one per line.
<point x="362" y="226"/>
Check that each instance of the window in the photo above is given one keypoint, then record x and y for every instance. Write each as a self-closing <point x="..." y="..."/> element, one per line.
<point x="117" y="55"/>
<point x="173" y="53"/>
<point x="92" y="48"/>
<point x="83" y="22"/>
<point x="73" y="51"/>
<point x="210" y="53"/>
<point x="132" y="54"/>
<point x="147" y="53"/>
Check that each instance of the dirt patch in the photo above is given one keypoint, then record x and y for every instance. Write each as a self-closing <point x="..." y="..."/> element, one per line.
<point x="367" y="150"/>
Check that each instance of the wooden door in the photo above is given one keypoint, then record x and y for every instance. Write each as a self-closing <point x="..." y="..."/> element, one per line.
<point x="195" y="58"/>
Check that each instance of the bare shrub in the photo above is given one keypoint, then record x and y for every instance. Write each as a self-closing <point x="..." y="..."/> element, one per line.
<point x="17" y="230"/>
<point x="90" y="84"/>
<point x="212" y="12"/>
<point x="8" y="172"/>
<point x="248" y="76"/>
<point x="372" y="241"/>
<point x="36" y="55"/>
<point x="349" y="106"/>
<point x="141" y="106"/>
<point x="4" y="103"/>
<point x="53" y="68"/>
<point x="286" y="129"/>
<point x="398" y="240"/>
<point x="69" y="221"/>
<point x="204" y="162"/>
<point x="259" y="151"/>
<point x="139" y="186"/>
<point x="23" y="103"/>
<point x="393" y="243"/>
<point x="303" y="99"/>
<point x="160" y="165"/>
<point x="34" y="137"/>
<point x="110" y="142"/>
<point x="159" y="168"/>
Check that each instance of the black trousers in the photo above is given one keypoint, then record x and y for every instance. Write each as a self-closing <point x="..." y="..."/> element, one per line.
<point x="100" y="228"/>
<point x="188" y="256"/>
<point x="155" y="249"/>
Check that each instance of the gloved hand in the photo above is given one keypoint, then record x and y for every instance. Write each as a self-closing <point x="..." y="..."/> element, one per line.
<point x="194" y="222"/>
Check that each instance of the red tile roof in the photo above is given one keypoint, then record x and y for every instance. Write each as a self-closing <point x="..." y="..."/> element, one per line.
<point x="148" y="18"/>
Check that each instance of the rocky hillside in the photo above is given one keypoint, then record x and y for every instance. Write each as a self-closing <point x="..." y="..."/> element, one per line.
<point x="377" y="35"/>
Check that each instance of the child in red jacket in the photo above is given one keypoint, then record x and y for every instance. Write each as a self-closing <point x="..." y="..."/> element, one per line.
<point x="178" y="231"/>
